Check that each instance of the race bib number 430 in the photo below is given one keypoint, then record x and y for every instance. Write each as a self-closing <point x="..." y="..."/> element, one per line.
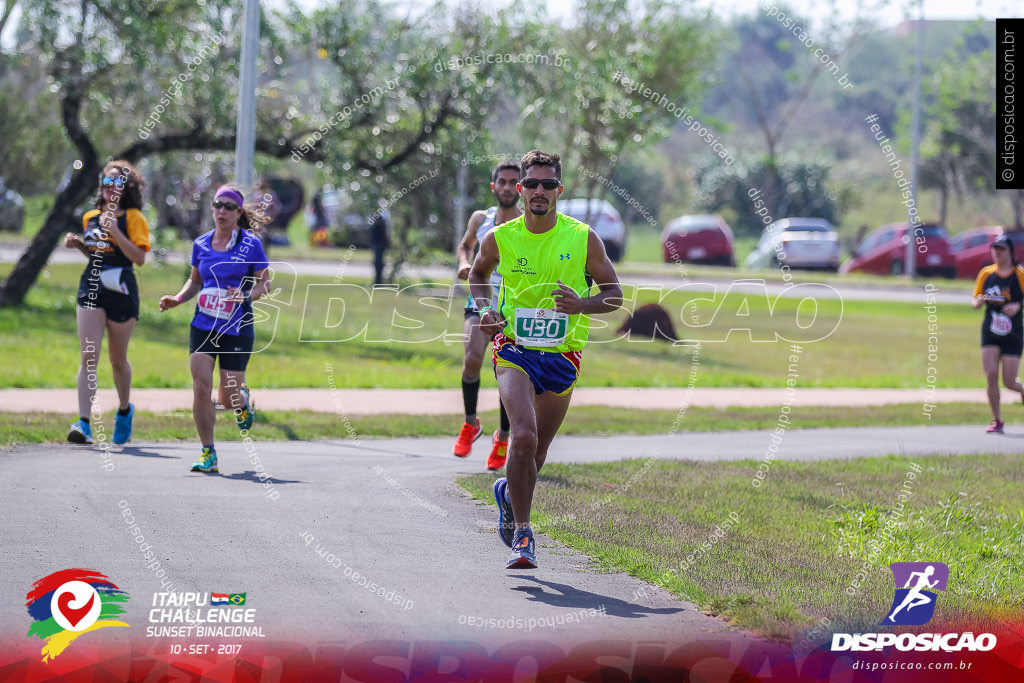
<point x="540" y="327"/>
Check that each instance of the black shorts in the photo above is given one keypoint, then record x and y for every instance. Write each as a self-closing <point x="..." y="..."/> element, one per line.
<point x="1009" y="345"/>
<point x="120" y="308"/>
<point x="233" y="351"/>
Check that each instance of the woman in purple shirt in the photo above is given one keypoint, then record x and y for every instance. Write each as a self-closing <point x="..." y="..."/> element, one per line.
<point x="229" y="272"/>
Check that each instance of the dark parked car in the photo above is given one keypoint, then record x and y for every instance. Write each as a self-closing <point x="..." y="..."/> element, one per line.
<point x="884" y="251"/>
<point x="702" y="238"/>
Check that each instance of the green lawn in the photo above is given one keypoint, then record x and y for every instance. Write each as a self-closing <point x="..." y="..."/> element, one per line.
<point x="414" y="339"/>
<point x="586" y="420"/>
<point x="778" y="558"/>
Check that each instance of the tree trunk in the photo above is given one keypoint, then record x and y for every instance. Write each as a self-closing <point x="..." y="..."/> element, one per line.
<point x="1017" y="203"/>
<point x="60" y="220"/>
<point x="83" y="182"/>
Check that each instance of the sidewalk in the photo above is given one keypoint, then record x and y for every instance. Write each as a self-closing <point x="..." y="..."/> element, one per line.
<point x="449" y="401"/>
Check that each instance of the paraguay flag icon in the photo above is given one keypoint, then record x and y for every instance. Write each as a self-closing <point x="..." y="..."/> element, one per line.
<point x="914" y="602"/>
<point x="71" y="603"/>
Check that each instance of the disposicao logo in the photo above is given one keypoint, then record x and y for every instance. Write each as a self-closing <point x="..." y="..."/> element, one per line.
<point x="915" y="601"/>
<point x="913" y="605"/>
<point x="71" y="603"/>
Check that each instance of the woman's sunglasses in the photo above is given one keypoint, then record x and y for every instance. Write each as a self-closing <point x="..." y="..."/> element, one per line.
<point x="117" y="181"/>
<point x="547" y="184"/>
<point x="230" y="206"/>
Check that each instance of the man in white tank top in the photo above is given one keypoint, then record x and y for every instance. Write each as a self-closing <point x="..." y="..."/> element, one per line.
<point x="503" y="185"/>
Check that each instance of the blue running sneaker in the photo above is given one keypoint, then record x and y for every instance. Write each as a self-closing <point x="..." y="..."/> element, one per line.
<point x="506" y="521"/>
<point x="207" y="462"/>
<point x="245" y="415"/>
<point x="123" y="426"/>
<point x="523" y="556"/>
<point x="80" y="432"/>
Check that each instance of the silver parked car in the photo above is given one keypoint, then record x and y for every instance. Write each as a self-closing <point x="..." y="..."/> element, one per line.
<point x="603" y="218"/>
<point x="810" y="243"/>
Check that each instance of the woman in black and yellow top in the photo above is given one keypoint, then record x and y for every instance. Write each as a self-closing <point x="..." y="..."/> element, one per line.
<point x="115" y="238"/>
<point x="1000" y="289"/>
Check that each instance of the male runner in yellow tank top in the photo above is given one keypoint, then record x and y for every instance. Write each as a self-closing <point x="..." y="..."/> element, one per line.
<point x="541" y="321"/>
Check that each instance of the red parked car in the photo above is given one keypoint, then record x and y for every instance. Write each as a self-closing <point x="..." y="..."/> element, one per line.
<point x="703" y="238"/>
<point x="884" y="251"/>
<point x="971" y="248"/>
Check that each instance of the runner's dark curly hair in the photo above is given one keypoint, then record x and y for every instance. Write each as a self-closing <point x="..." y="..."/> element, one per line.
<point x="131" y="193"/>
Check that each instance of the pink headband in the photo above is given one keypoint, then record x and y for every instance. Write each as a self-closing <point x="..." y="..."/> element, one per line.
<point x="230" y="194"/>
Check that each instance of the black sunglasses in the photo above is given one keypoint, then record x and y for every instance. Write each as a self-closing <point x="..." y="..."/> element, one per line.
<point x="547" y="184"/>
<point x="230" y="206"/>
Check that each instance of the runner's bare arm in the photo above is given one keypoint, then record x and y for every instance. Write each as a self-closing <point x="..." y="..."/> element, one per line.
<point x="134" y="252"/>
<point x="73" y="241"/>
<point x="979" y="290"/>
<point x="261" y="288"/>
<point x="464" y="252"/>
<point x="188" y="290"/>
<point x="480" y="284"/>
<point x="609" y="296"/>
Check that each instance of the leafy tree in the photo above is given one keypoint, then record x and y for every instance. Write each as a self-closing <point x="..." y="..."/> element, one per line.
<point x="32" y="153"/>
<point x="958" y="151"/>
<point x="801" y="191"/>
<point x="137" y="78"/>
<point x="768" y="75"/>
<point x="392" y="100"/>
<point x="629" y="72"/>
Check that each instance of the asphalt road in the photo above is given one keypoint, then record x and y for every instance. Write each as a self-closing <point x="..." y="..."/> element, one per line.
<point x="448" y="402"/>
<point x="331" y="513"/>
<point x="746" y="282"/>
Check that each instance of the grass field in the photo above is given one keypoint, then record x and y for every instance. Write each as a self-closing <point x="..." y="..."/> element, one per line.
<point x="23" y="428"/>
<point x="779" y="558"/>
<point x="413" y="339"/>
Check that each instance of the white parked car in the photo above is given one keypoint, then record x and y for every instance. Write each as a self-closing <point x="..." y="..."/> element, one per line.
<point x="603" y="218"/>
<point x="810" y="243"/>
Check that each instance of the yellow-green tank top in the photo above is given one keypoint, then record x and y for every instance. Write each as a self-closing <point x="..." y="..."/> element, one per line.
<point x="531" y="266"/>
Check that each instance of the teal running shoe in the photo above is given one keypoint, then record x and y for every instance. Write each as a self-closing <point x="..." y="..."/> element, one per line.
<point x="207" y="462"/>
<point x="245" y="415"/>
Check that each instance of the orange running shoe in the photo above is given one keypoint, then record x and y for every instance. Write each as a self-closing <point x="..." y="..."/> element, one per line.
<point x="496" y="460"/>
<point x="467" y="435"/>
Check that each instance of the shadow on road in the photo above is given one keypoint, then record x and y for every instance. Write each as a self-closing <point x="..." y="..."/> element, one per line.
<point x="143" y="453"/>
<point x="567" y="596"/>
<point x="251" y="475"/>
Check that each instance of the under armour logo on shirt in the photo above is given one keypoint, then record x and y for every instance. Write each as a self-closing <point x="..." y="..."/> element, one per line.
<point x="564" y="257"/>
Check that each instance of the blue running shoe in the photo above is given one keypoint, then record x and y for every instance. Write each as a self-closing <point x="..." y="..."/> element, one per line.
<point x="123" y="426"/>
<point x="506" y="522"/>
<point x="523" y="556"/>
<point x="80" y="432"/>
<point x="245" y="415"/>
<point x="207" y="462"/>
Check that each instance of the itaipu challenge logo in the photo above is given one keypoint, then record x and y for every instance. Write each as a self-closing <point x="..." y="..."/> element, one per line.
<point x="71" y="603"/>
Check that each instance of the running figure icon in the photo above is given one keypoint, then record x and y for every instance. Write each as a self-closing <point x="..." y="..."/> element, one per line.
<point x="915" y="597"/>
<point x="919" y="581"/>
